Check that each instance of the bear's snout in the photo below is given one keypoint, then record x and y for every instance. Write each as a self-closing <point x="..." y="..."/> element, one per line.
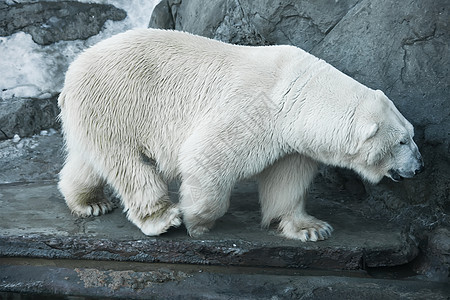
<point x="420" y="169"/>
<point x="400" y="174"/>
<point x="419" y="166"/>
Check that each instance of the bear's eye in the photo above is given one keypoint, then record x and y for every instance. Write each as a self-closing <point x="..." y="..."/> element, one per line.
<point x="403" y="142"/>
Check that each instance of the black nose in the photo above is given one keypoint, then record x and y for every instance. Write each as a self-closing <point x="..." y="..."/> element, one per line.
<point x="419" y="170"/>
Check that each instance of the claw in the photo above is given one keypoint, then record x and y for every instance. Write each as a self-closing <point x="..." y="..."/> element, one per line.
<point x="324" y="233"/>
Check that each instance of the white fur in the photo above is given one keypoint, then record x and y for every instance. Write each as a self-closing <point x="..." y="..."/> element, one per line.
<point x="147" y="106"/>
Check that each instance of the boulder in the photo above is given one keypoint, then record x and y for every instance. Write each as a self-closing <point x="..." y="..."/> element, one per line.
<point x="49" y="22"/>
<point x="26" y="117"/>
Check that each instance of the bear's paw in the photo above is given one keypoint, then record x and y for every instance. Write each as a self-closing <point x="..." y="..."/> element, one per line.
<point x="92" y="209"/>
<point x="160" y="221"/>
<point x="305" y="228"/>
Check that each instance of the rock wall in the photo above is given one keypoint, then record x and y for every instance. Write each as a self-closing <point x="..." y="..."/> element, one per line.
<point x="401" y="48"/>
<point x="38" y="40"/>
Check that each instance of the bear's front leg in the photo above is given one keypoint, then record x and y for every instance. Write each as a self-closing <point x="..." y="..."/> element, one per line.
<point x="282" y="192"/>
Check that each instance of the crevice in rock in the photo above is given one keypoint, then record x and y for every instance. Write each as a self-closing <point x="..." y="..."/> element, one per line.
<point x="5" y="136"/>
<point x="424" y="38"/>
<point x="333" y="26"/>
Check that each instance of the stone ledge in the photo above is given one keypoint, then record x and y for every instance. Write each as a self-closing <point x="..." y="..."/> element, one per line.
<point x="106" y="280"/>
<point x="35" y="222"/>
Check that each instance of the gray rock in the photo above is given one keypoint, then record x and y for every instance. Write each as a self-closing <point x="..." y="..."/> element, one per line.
<point x="236" y="238"/>
<point x="27" y="159"/>
<point x="222" y="20"/>
<point x="81" y="279"/>
<point x="434" y="265"/>
<point x="49" y="22"/>
<point x="26" y="117"/>
<point x="401" y="48"/>
<point x="162" y="16"/>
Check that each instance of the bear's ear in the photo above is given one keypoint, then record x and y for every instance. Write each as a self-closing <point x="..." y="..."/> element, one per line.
<point x="369" y="131"/>
<point x="363" y="134"/>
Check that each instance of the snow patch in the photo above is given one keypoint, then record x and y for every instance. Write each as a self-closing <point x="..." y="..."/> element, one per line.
<point x="49" y="132"/>
<point x="16" y="138"/>
<point x="33" y="71"/>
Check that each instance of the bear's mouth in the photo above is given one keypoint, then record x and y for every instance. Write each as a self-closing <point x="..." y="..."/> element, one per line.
<point x="394" y="175"/>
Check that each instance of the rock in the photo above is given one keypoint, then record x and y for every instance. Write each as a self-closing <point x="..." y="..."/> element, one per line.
<point x="26" y="117"/>
<point x="235" y="240"/>
<point x="300" y="23"/>
<point x="83" y="279"/>
<point x="29" y="159"/>
<point x="435" y="263"/>
<point x="162" y="16"/>
<point x="222" y="20"/>
<point x="49" y="22"/>
<point x="401" y="48"/>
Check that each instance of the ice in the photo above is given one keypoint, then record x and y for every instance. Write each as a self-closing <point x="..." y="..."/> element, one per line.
<point x="29" y="70"/>
<point x="48" y="132"/>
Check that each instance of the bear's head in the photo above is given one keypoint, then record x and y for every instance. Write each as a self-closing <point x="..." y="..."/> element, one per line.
<point x="336" y="120"/>
<point x="384" y="144"/>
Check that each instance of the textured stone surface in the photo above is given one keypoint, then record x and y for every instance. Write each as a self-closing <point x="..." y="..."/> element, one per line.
<point x="28" y="159"/>
<point x="49" y="22"/>
<point x="27" y="102"/>
<point x="156" y="281"/>
<point x="435" y="264"/>
<point x="37" y="223"/>
<point x="26" y="117"/>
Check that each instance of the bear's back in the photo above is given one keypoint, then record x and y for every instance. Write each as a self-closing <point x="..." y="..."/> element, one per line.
<point x="150" y="89"/>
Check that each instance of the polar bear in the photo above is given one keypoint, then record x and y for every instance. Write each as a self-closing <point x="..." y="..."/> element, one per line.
<point x="147" y="106"/>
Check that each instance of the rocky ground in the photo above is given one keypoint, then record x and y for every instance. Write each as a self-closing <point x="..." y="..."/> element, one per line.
<point x="28" y="159"/>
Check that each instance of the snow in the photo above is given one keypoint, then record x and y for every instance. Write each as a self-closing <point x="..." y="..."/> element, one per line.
<point x="29" y="70"/>
<point x="16" y="138"/>
<point x="49" y="132"/>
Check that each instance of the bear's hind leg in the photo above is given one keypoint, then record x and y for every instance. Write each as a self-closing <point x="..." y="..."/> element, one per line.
<point x="204" y="198"/>
<point x="282" y="192"/>
<point x="143" y="191"/>
<point x="82" y="188"/>
<point x="205" y="166"/>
